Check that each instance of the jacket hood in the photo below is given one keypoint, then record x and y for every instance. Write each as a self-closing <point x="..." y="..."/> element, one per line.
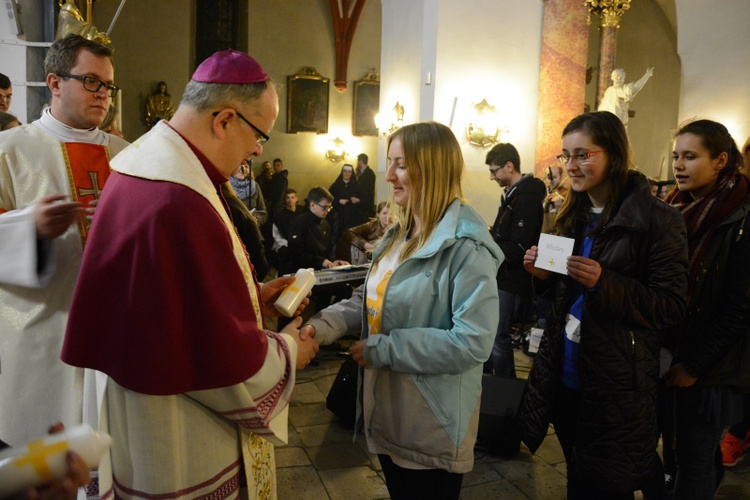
<point x="529" y="185"/>
<point x="633" y="212"/>
<point x="459" y="221"/>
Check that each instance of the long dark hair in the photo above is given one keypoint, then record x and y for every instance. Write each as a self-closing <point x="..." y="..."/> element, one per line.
<point x="607" y="131"/>
<point x="716" y="139"/>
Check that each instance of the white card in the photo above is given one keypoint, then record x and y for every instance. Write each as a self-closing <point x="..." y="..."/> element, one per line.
<point x="554" y="252"/>
<point x="535" y="338"/>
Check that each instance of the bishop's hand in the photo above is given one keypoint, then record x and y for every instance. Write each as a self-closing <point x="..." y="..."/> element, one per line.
<point x="306" y="348"/>
<point x="271" y="290"/>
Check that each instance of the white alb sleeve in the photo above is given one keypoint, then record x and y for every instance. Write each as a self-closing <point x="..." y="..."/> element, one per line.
<point x="19" y="254"/>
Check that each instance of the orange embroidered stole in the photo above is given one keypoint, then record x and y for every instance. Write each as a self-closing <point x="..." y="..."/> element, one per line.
<point x="88" y="170"/>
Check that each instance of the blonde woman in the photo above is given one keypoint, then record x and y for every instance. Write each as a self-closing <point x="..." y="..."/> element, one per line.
<point x="422" y="359"/>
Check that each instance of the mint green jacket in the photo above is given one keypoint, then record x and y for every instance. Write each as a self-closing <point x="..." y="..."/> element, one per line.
<point x="420" y="397"/>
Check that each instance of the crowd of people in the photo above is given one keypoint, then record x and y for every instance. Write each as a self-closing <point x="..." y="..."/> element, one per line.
<point x="142" y="309"/>
<point x="322" y="237"/>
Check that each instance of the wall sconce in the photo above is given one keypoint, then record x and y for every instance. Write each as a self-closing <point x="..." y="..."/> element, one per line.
<point x="336" y="150"/>
<point x="483" y="129"/>
<point x="390" y="121"/>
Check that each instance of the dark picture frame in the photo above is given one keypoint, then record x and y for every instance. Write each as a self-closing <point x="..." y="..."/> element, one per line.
<point x="307" y="102"/>
<point x="366" y="105"/>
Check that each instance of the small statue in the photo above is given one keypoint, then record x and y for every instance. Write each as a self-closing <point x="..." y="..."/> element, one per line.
<point x="159" y="105"/>
<point x="71" y="20"/>
<point x="617" y="97"/>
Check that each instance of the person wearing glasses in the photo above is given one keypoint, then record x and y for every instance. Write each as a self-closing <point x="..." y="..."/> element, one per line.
<point x="312" y="244"/>
<point x="51" y="173"/>
<point x="595" y="374"/>
<point x="516" y="228"/>
<point x="310" y="236"/>
<point x="169" y="308"/>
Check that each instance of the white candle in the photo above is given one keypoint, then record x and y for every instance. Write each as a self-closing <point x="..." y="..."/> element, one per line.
<point x="290" y="298"/>
<point x="43" y="460"/>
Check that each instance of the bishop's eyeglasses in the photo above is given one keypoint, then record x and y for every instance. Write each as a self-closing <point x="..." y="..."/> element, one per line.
<point x="263" y="136"/>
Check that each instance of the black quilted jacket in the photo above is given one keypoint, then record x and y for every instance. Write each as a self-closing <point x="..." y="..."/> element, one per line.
<point x="641" y="292"/>
<point x="713" y="339"/>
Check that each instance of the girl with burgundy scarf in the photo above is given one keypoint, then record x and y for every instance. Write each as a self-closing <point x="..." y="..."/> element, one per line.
<point x="710" y="369"/>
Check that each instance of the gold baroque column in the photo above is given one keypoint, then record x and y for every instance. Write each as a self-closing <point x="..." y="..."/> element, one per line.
<point x="610" y="12"/>
<point x="562" y="75"/>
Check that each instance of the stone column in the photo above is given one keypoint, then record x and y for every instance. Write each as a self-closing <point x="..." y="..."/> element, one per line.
<point x="607" y="52"/>
<point x="609" y="12"/>
<point x="562" y="76"/>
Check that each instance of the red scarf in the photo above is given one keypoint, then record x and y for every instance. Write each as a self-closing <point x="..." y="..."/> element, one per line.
<point x="703" y="215"/>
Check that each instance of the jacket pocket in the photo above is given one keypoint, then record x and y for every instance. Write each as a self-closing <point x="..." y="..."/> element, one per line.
<point x="402" y="416"/>
<point x="424" y="384"/>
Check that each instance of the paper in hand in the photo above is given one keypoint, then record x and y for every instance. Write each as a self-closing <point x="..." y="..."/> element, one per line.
<point x="553" y="253"/>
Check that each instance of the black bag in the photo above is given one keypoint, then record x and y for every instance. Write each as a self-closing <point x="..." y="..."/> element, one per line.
<point x="499" y="429"/>
<point x="342" y="398"/>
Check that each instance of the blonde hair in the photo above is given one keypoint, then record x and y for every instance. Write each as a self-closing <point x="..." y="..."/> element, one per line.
<point x="434" y="166"/>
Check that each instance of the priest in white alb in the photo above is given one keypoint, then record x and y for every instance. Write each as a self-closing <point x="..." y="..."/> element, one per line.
<point x="51" y="171"/>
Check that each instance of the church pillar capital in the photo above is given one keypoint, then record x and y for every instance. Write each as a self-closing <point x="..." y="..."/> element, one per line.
<point x="609" y="12"/>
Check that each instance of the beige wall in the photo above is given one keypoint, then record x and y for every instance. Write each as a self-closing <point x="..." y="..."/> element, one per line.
<point x="153" y="41"/>
<point x="470" y="57"/>
<point x="713" y="43"/>
<point x="286" y="35"/>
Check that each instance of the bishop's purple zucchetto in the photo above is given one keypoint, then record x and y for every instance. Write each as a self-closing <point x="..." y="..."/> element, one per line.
<point x="230" y="66"/>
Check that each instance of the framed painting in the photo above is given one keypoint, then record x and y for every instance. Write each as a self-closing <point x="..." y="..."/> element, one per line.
<point x="366" y="105"/>
<point x="307" y="102"/>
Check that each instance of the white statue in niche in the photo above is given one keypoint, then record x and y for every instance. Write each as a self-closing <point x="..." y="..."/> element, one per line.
<point x="617" y="97"/>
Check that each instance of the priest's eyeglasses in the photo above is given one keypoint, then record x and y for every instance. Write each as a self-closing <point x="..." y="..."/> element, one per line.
<point x="263" y="137"/>
<point x="578" y="158"/>
<point x="326" y="208"/>
<point x="93" y="84"/>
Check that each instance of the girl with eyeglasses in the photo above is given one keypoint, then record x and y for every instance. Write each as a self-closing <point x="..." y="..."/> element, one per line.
<point x="711" y="368"/>
<point x="595" y="374"/>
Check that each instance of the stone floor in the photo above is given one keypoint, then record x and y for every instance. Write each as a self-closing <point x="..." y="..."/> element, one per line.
<point x="322" y="462"/>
